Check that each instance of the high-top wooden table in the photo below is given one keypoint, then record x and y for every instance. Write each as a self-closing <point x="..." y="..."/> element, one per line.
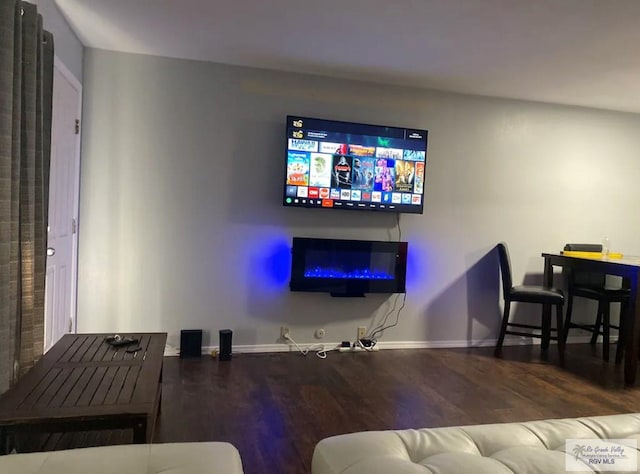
<point x="627" y="267"/>
<point x="84" y="384"/>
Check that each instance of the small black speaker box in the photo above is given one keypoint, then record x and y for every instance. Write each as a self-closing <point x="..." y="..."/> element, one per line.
<point x="190" y="343"/>
<point x="225" y="344"/>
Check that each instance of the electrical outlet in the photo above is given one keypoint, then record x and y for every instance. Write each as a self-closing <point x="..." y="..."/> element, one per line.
<point x="362" y="332"/>
<point x="284" y="332"/>
<point x="319" y="333"/>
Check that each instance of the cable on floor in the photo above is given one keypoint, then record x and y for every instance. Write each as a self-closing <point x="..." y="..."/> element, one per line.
<point x="319" y="349"/>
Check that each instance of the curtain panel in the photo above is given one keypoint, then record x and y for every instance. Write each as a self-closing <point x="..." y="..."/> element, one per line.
<point x="26" y="89"/>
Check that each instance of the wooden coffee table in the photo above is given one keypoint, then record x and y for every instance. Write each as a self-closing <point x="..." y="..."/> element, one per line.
<point x="82" y="384"/>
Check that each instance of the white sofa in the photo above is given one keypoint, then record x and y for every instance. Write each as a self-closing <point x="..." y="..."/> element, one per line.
<point x="530" y="447"/>
<point x="168" y="458"/>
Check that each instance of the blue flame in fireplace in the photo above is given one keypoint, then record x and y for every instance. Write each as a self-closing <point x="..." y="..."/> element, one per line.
<point x="355" y="274"/>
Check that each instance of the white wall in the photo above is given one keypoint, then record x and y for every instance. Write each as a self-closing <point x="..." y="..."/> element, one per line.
<point x="181" y="224"/>
<point x="66" y="44"/>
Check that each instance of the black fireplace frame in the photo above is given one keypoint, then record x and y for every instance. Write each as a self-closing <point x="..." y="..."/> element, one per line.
<point x="348" y="286"/>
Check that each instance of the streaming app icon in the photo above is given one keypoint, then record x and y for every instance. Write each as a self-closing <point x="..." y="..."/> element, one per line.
<point x="406" y="198"/>
<point x="292" y="190"/>
<point x="396" y="198"/>
<point x="335" y="193"/>
<point x="314" y="192"/>
<point x="386" y="197"/>
<point x="376" y="196"/>
<point x="324" y="193"/>
<point x="356" y="195"/>
<point x="303" y="191"/>
<point x="345" y="194"/>
<point x="415" y="199"/>
<point x="366" y="195"/>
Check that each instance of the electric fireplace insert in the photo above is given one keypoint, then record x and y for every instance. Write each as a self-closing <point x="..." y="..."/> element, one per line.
<point x="348" y="267"/>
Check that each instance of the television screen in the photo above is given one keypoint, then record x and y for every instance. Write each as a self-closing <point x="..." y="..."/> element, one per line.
<point x="344" y="165"/>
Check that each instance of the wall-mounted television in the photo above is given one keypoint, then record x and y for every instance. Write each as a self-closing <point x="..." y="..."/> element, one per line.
<point x="344" y="165"/>
<point x="348" y="267"/>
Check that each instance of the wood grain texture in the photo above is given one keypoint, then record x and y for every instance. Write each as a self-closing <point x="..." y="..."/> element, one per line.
<point x="276" y="407"/>
<point x="83" y="383"/>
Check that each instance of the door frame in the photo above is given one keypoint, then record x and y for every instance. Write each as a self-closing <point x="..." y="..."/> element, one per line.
<point x="75" y="83"/>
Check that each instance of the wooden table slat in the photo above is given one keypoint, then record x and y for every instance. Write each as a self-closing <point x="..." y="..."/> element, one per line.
<point x="109" y="353"/>
<point x="102" y="390"/>
<point x="83" y="349"/>
<point x="73" y="348"/>
<point x="67" y="387"/>
<point x="79" y="387"/>
<point x="100" y="353"/>
<point x="39" y="388"/>
<point x="28" y="383"/>
<point x="130" y="383"/>
<point x="90" y="353"/>
<point x="87" y="394"/>
<point x="52" y="389"/>
<point x="116" y="386"/>
<point x="82" y="384"/>
<point x="146" y="385"/>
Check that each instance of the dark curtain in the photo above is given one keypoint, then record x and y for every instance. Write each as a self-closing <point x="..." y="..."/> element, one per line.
<point x="26" y="84"/>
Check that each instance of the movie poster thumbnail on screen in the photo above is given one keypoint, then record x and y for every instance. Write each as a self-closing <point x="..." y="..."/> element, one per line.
<point x="345" y="165"/>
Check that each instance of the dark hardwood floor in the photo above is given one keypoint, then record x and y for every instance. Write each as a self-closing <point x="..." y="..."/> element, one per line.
<point x="275" y="407"/>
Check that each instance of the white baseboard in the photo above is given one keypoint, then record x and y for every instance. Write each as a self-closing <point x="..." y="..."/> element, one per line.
<point x="266" y="348"/>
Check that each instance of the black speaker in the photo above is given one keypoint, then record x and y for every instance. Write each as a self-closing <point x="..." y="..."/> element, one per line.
<point x="225" y="344"/>
<point x="190" y="343"/>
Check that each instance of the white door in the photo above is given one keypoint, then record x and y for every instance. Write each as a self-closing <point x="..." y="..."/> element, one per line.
<point x="64" y="187"/>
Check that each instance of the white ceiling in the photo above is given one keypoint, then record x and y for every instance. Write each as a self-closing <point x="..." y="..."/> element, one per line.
<point x="579" y="52"/>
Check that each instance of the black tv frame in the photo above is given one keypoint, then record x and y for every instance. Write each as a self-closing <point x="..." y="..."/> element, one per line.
<point x="312" y="125"/>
